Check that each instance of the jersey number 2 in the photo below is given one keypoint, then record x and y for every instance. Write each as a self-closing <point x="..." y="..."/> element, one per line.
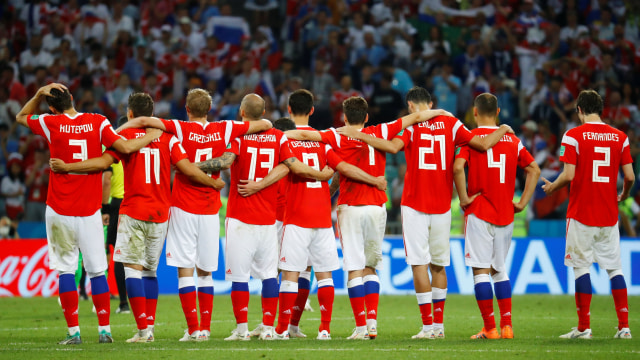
<point x="597" y="163"/>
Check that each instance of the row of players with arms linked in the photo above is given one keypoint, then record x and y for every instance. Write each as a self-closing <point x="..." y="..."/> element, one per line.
<point x="288" y="227"/>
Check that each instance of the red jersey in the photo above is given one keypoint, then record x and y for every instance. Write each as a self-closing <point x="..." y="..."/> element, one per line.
<point x="147" y="176"/>
<point x="493" y="175"/>
<point x="308" y="203"/>
<point x="201" y="142"/>
<point x="365" y="157"/>
<point x="597" y="150"/>
<point x="256" y="155"/>
<point x="74" y="139"/>
<point x="429" y="150"/>
<point x="282" y="198"/>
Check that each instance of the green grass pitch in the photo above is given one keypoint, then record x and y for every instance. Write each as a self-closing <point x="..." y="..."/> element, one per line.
<point x="30" y="329"/>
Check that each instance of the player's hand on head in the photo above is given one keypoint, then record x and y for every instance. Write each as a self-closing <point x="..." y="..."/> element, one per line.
<point x="57" y="165"/>
<point x="382" y="183"/>
<point x="327" y="173"/>
<point x="248" y="187"/>
<point x="349" y="131"/>
<point x="46" y="90"/>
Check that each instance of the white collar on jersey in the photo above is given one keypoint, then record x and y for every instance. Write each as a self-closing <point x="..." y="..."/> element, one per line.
<point x="487" y="127"/>
<point x="73" y="117"/>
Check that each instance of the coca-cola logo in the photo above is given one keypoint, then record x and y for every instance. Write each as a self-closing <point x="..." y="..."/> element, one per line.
<point x="26" y="273"/>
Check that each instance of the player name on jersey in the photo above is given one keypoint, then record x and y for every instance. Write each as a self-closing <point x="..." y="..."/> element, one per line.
<point x="600" y="136"/>
<point x="505" y="138"/>
<point x="435" y="125"/>
<point x="202" y="139"/>
<point x="261" y="137"/>
<point x="304" y="144"/>
<point x="76" y="129"/>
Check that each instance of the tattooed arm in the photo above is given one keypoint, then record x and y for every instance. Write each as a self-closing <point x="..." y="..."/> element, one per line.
<point x="217" y="164"/>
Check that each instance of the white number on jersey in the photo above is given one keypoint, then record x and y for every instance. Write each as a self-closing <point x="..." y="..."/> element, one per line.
<point x="206" y="153"/>
<point x="82" y="155"/>
<point x="147" y="164"/>
<point x="372" y="156"/>
<point x="312" y="161"/>
<point x="265" y="164"/>
<point x="422" y="151"/>
<point x="597" y="163"/>
<point x="502" y="164"/>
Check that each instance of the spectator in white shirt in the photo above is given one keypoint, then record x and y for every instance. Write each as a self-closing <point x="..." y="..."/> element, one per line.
<point x="34" y="57"/>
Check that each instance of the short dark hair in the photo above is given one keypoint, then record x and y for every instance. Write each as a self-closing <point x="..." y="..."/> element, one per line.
<point x="60" y="100"/>
<point x="284" y="124"/>
<point x="122" y="120"/>
<point x="418" y="95"/>
<point x="355" y="110"/>
<point x="301" y="102"/>
<point x="590" y="102"/>
<point x="487" y="104"/>
<point x="141" y="104"/>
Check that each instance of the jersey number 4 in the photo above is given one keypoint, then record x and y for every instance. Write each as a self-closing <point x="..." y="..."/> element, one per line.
<point x="500" y="164"/>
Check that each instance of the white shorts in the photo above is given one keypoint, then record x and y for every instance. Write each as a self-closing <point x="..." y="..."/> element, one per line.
<point x="589" y="244"/>
<point x="193" y="240"/>
<point x="303" y="246"/>
<point x="250" y="250"/>
<point x="139" y="242"/>
<point x="67" y="234"/>
<point x="361" y="232"/>
<point x="486" y="245"/>
<point x="426" y="237"/>
<point x="279" y="230"/>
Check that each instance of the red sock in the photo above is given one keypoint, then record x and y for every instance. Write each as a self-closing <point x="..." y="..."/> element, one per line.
<point x="287" y="299"/>
<point x="69" y="302"/>
<point x="188" y="302"/>
<point x="371" y="303"/>
<point x="326" y="295"/>
<point x="357" y="305"/>
<point x="103" y="307"/>
<point x="269" y="310"/>
<point x="206" y="308"/>
<point x="505" y="311"/>
<point x="298" y="307"/>
<point x="425" y="311"/>
<point x="138" y="307"/>
<point x="151" y="305"/>
<point x="622" y="307"/>
<point x="240" y="303"/>
<point x="438" y="311"/>
<point x="583" y="304"/>
<point x="486" y="309"/>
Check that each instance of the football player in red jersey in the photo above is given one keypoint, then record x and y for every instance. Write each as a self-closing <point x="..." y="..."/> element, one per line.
<point x="194" y="225"/>
<point x="489" y="212"/>
<point x="426" y="210"/>
<point x="144" y="211"/>
<point x="593" y="154"/>
<point x="308" y="237"/>
<point x="361" y="212"/>
<point x="74" y="225"/>
<point x="251" y="243"/>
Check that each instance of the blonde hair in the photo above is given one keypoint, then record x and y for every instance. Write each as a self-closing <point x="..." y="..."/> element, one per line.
<point x="198" y="102"/>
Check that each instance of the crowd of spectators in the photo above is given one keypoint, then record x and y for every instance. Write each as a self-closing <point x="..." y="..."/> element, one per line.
<point x="534" y="55"/>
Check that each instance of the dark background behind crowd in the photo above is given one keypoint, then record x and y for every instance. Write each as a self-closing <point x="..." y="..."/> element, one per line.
<point x="535" y="56"/>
